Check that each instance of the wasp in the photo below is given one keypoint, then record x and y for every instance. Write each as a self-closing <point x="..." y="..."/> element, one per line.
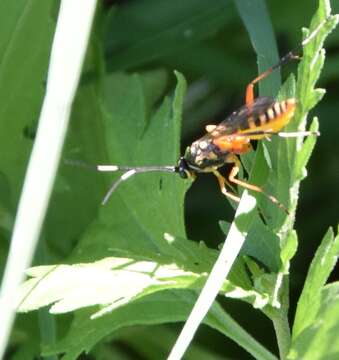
<point x="258" y="119"/>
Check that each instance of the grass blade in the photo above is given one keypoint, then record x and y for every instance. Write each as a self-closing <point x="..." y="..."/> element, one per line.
<point x="63" y="78"/>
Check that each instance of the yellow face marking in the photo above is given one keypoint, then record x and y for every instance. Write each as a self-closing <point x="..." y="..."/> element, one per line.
<point x="210" y="128"/>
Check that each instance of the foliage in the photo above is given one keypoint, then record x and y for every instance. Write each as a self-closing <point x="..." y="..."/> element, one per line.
<point x="132" y="262"/>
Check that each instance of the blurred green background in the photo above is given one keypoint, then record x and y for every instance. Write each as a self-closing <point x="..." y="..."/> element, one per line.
<point x="208" y="43"/>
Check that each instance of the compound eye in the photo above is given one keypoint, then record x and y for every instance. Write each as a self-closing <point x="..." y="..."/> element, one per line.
<point x="183" y="169"/>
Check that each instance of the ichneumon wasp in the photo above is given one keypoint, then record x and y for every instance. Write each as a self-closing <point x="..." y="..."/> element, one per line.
<point x="260" y="118"/>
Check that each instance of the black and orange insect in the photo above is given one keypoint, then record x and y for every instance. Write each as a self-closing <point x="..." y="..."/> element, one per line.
<point x="259" y="118"/>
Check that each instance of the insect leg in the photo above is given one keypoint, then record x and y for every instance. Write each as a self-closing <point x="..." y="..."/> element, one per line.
<point x="297" y="133"/>
<point x="250" y="87"/>
<point x="232" y="178"/>
<point x="222" y="183"/>
<point x="291" y="55"/>
<point x="254" y="135"/>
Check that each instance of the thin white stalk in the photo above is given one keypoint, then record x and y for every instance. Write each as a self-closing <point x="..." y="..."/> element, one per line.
<point x="219" y="273"/>
<point x="67" y="55"/>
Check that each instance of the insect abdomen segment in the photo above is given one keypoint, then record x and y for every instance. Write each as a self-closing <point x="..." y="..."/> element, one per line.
<point x="272" y="119"/>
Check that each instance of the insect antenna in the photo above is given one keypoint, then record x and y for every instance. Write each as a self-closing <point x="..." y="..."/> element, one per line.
<point x="291" y="55"/>
<point x="128" y="172"/>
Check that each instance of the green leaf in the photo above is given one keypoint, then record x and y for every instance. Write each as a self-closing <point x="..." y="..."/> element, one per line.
<point x="110" y="282"/>
<point x="319" y="340"/>
<point x="129" y="123"/>
<point x="131" y="213"/>
<point x="114" y="281"/>
<point x="263" y="244"/>
<point x="143" y="341"/>
<point x="167" y="306"/>
<point x="319" y="271"/>
<point x="306" y="151"/>
<point x="23" y="71"/>
<point x="154" y="23"/>
<point x="288" y="249"/>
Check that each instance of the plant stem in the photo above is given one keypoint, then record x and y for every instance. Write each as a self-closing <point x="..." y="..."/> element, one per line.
<point x="283" y="333"/>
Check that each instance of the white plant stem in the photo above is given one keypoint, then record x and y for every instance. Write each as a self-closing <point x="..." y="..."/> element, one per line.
<point x="219" y="273"/>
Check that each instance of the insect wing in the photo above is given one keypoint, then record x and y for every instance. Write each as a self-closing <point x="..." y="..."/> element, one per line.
<point x="239" y="120"/>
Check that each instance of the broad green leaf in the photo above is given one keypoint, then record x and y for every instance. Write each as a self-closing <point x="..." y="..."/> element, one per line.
<point x="319" y="271"/>
<point x="319" y="340"/>
<point x="154" y="23"/>
<point x="115" y="281"/>
<point x="84" y="142"/>
<point x="26" y="325"/>
<point x="26" y="33"/>
<point x="23" y="70"/>
<point x="144" y="342"/>
<point x="110" y="282"/>
<point x="167" y="306"/>
<point x="146" y="206"/>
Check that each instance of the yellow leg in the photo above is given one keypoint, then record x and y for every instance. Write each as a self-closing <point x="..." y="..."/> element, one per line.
<point x="232" y="178"/>
<point x="222" y="183"/>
